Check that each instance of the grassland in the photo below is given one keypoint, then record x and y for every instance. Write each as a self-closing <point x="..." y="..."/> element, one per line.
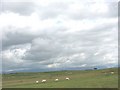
<point x="78" y="79"/>
<point x="0" y="81"/>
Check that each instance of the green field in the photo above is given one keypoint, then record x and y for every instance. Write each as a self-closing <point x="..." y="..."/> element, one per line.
<point x="78" y="79"/>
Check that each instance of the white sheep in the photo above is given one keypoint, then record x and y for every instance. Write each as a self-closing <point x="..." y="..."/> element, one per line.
<point x="56" y="79"/>
<point x="112" y="72"/>
<point x="67" y="78"/>
<point x="44" y="80"/>
<point x="37" y="81"/>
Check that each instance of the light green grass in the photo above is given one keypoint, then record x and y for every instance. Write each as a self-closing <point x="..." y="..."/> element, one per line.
<point x="78" y="79"/>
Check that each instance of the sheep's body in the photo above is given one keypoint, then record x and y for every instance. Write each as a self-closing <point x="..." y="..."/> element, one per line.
<point x="67" y="78"/>
<point x="44" y="81"/>
<point x="56" y="80"/>
<point x="37" y="81"/>
<point x="112" y="72"/>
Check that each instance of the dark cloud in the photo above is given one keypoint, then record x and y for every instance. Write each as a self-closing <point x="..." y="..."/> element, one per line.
<point x="16" y="38"/>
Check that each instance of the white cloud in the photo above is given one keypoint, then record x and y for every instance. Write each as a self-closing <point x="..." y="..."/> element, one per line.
<point x="99" y="8"/>
<point x="96" y="53"/>
<point x="83" y="65"/>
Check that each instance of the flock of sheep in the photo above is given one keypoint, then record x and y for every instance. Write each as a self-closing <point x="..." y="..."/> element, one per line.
<point x="44" y="80"/>
<point x="110" y="73"/>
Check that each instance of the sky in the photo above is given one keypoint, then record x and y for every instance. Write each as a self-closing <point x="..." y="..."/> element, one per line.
<point x="46" y="35"/>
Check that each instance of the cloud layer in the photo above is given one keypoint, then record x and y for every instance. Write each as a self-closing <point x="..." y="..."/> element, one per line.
<point x="55" y="35"/>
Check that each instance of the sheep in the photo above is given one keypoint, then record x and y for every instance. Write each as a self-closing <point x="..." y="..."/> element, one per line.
<point x="37" y="81"/>
<point x="67" y="78"/>
<point x="112" y="72"/>
<point x="43" y="81"/>
<point x="56" y="80"/>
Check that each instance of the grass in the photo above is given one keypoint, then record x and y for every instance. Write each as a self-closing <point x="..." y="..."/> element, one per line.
<point x="78" y="79"/>
<point x="0" y="81"/>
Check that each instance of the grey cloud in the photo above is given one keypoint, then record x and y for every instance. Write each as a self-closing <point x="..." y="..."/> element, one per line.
<point x="16" y="38"/>
<point x="55" y="9"/>
<point x="57" y="46"/>
<point x="43" y="49"/>
<point x="118" y="9"/>
<point x="65" y="44"/>
<point x="23" y="8"/>
<point x="48" y="48"/>
<point x="113" y="7"/>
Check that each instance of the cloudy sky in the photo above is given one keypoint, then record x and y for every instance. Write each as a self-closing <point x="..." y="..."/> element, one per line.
<point x="45" y="35"/>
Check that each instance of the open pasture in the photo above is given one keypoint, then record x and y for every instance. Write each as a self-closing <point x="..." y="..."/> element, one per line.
<point x="78" y="79"/>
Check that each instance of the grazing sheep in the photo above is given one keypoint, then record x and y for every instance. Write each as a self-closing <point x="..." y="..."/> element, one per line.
<point x="44" y="80"/>
<point x="67" y="78"/>
<point x="112" y="72"/>
<point x="37" y="81"/>
<point x="56" y="80"/>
